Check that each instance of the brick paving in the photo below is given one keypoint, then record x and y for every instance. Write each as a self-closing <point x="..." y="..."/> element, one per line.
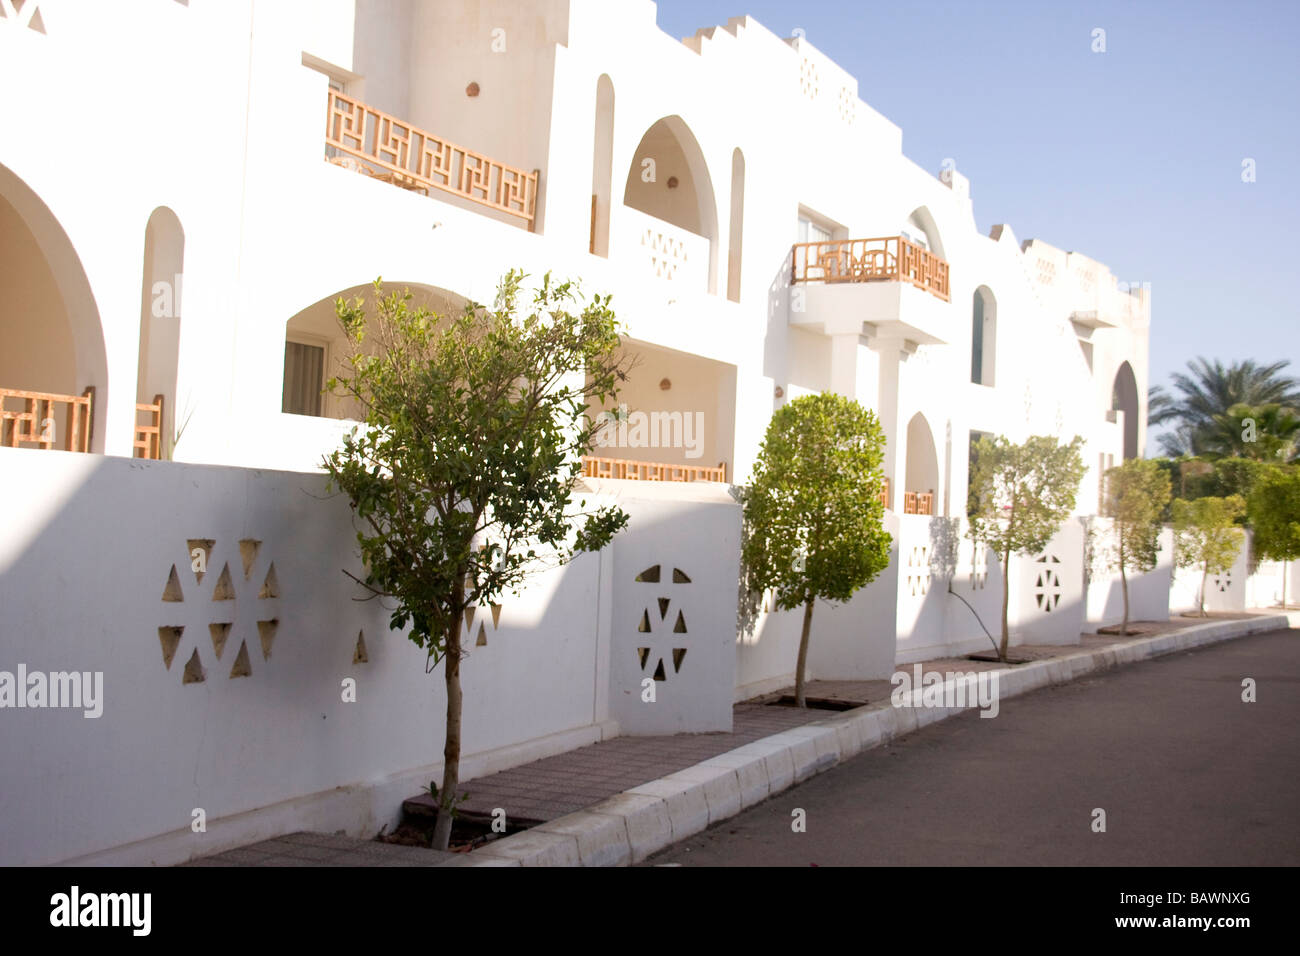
<point x="554" y="786"/>
<point x="322" y="849"/>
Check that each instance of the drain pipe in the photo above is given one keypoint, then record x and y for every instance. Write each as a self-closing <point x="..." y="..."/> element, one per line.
<point x="977" y="618"/>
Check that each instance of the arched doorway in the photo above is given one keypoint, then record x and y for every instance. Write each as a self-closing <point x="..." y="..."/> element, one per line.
<point x="669" y="180"/>
<point x="50" y="327"/>
<point x="1124" y="398"/>
<point x="314" y="346"/>
<point x="921" y="478"/>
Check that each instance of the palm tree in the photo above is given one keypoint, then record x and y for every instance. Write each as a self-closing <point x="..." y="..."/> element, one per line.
<point x="1263" y="432"/>
<point x="1206" y="392"/>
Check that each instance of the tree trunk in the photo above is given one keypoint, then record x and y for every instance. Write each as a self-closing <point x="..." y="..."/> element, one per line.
<point x="451" y="747"/>
<point x="803" y="653"/>
<point x="1205" y="576"/>
<point x="1123" y="579"/>
<point x="1006" y="599"/>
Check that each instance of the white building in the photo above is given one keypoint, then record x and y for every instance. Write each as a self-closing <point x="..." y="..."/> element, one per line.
<point x="181" y="206"/>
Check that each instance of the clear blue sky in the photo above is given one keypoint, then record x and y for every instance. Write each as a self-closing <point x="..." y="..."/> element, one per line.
<point x="1132" y="156"/>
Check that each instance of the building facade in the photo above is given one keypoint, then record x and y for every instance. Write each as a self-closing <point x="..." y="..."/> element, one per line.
<point x="173" y="244"/>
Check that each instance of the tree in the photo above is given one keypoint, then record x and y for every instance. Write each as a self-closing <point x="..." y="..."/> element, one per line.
<point x="1260" y="432"/>
<point x="1137" y="493"/>
<point x="1274" y="509"/>
<point x="462" y="476"/>
<point x="1207" y="536"/>
<point x="1020" y="497"/>
<point x="813" y="511"/>
<point x="1209" y="389"/>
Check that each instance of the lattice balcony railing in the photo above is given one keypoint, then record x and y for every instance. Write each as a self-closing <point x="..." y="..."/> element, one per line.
<point x="918" y="503"/>
<point x="887" y="259"/>
<point x="593" y="467"/>
<point x="34" y="423"/>
<point x="148" y="437"/>
<point x="409" y="157"/>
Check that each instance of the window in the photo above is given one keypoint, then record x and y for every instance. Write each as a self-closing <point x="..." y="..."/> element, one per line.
<point x="983" y="336"/>
<point x="810" y="231"/>
<point x="304" y="378"/>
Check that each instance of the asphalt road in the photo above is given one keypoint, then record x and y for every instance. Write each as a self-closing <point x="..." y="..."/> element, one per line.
<point x="1187" y="773"/>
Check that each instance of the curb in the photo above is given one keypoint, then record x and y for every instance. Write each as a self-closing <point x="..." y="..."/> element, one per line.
<point x="631" y="826"/>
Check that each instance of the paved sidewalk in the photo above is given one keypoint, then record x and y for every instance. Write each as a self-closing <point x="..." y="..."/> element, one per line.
<point x="538" y="793"/>
<point x="555" y="786"/>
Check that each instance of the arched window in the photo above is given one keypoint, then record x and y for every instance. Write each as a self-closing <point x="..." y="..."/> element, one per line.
<point x="1124" y="398"/>
<point x="602" y="166"/>
<point x="669" y="180"/>
<point x="984" y="328"/>
<point x="157" y="422"/>
<point x="736" y="230"/>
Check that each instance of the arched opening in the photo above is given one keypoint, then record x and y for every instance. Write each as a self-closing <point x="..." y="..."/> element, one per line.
<point x="602" y="166"/>
<point x="1124" y="398"/>
<point x="921" y="478"/>
<point x="921" y="229"/>
<point x="669" y="182"/>
<point x="984" y="332"/>
<point x="315" y="347"/>
<point x="736" y="228"/>
<point x="157" y="423"/>
<point x="53" y="342"/>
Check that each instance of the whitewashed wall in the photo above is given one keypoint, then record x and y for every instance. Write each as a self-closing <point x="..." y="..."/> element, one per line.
<point x="1047" y="591"/>
<point x="1148" y="593"/>
<point x="1223" y="592"/>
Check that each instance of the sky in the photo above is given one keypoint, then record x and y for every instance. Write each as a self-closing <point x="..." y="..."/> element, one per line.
<point x="1132" y="156"/>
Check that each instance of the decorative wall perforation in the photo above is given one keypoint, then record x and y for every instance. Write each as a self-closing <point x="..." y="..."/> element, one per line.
<point x="193" y="670"/>
<point x="667" y="253"/>
<point x="1223" y="581"/>
<point x="645" y="654"/>
<point x="918" y="570"/>
<point x="848" y="105"/>
<point x="1048" y="587"/>
<point x="199" y="552"/>
<point x="170" y="638"/>
<point x="220" y="632"/>
<point x="24" y="13"/>
<point x="172" y="590"/>
<point x="360" y="655"/>
<point x="809" y="80"/>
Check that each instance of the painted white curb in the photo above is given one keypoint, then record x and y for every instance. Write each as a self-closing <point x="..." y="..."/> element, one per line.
<point x="631" y="826"/>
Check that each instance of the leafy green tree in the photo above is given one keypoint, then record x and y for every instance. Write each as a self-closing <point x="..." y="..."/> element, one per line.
<point x="1207" y="536"/>
<point x="1136" y="495"/>
<point x="812" y="509"/>
<point x="1274" y="509"/>
<point x="461" y="478"/>
<point x="1020" y="497"/>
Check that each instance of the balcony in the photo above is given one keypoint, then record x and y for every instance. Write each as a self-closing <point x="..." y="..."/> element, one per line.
<point x="383" y="147"/>
<point x="594" y="467"/>
<point x="35" y="422"/>
<point x="889" y="283"/>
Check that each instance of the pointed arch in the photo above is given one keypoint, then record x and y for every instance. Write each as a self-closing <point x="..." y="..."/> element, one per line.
<point x="670" y="180"/>
<point x="50" y="325"/>
<point x="1124" y="398"/>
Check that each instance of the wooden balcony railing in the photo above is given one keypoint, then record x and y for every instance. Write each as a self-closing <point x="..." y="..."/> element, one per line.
<point x="406" y="156"/>
<point x="884" y="493"/>
<point x="148" y="437"/>
<point x="918" y="503"/>
<point x="34" y="424"/>
<point x="888" y="259"/>
<point x="593" y="467"/>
